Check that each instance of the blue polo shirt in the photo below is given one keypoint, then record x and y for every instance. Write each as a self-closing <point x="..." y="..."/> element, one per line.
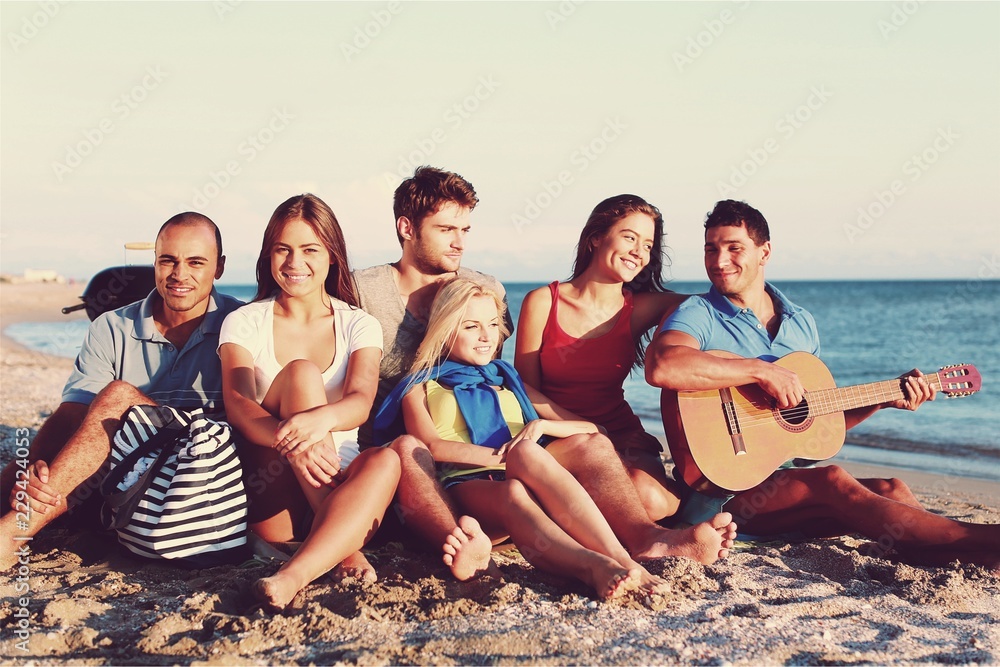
<point x="126" y="345"/>
<point x="717" y="324"/>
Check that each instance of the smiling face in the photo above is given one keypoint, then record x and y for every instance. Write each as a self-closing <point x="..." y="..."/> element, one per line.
<point x="300" y="262"/>
<point x="624" y="250"/>
<point x="478" y="335"/>
<point x="435" y="246"/>
<point x="187" y="265"/>
<point x="735" y="264"/>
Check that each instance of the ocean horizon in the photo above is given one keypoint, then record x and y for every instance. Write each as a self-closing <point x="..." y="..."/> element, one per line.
<point x="870" y="331"/>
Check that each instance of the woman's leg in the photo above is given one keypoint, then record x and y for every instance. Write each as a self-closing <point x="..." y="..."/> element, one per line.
<point x="346" y="519"/>
<point x="539" y="539"/>
<point x="279" y="501"/>
<point x="569" y="505"/>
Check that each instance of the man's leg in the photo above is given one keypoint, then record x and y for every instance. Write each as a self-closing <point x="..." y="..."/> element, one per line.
<point x="45" y="446"/>
<point x="82" y="456"/>
<point x="595" y="464"/>
<point x="657" y="493"/>
<point x="424" y="508"/>
<point x="828" y="501"/>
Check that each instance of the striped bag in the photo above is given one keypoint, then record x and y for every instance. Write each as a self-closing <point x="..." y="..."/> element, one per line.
<point x="175" y="489"/>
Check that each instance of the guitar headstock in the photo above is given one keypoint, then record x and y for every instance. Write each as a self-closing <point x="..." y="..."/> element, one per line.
<point x="959" y="380"/>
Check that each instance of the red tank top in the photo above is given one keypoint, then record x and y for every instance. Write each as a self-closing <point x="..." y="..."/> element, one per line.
<point x="586" y="375"/>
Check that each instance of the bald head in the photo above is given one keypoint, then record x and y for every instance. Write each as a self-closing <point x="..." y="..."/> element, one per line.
<point x="192" y="219"/>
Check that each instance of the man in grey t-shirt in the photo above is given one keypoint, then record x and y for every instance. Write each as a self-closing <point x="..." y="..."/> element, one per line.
<point x="432" y="211"/>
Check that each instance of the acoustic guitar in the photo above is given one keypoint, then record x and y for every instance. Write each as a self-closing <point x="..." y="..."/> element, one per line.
<point x="729" y="440"/>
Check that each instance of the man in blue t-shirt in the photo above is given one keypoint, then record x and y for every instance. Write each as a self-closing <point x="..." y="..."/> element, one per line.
<point x="161" y="350"/>
<point x="749" y="318"/>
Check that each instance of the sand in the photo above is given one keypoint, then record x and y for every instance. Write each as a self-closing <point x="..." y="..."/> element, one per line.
<point x="817" y="602"/>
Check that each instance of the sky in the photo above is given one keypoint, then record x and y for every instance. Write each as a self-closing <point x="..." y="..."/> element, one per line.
<point x="867" y="133"/>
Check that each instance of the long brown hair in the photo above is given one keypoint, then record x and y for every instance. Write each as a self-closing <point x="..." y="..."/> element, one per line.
<point x="601" y="220"/>
<point x="313" y="211"/>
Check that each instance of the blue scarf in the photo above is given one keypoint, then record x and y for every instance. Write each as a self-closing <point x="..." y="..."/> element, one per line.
<point x="477" y="401"/>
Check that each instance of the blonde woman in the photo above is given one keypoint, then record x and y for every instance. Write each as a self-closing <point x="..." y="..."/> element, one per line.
<point x="482" y="426"/>
<point x="300" y="368"/>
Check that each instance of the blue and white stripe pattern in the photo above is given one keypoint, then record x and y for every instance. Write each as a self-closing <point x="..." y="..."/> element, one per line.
<point x="196" y="503"/>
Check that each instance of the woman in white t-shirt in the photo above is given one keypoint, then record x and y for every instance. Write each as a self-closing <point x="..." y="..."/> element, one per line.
<point x="299" y="373"/>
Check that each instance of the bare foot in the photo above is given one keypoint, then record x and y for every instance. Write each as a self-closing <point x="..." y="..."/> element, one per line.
<point x="275" y="591"/>
<point x="705" y="542"/>
<point x="609" y="579"/>
<point x="650" y="583"/>
<point x="356" y="566"/>
<point x="467" y="550"/>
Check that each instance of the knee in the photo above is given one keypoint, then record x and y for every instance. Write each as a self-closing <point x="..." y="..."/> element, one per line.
<point x="118" y="394"/>
<point x="301" y="369"/>
<point x="303" y="375"/>
<point x="385" y="461"/>
<point x="412" y="453"/>
<point x="525" y="458"/>
<point x="407" y="446"/>
<point x="894" y="489"/>
<point x="589" y="445"/>
<point x="834" y="480"/>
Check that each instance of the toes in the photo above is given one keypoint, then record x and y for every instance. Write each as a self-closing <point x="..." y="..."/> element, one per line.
<point x="469" y="526"/>
<point x="458" y="537"/>
<point x="448" y="559"/>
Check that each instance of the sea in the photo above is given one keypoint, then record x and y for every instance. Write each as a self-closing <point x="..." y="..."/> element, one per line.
<point x="870" y="331"/>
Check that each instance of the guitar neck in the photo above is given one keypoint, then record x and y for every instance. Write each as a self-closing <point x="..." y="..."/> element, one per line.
<point x="842" y="399"/>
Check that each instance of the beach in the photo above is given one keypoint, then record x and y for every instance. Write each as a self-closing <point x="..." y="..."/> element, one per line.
<point x="840" y="601"/>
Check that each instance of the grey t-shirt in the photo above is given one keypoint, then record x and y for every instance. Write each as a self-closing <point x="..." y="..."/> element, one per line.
<point x="402" y="333"/>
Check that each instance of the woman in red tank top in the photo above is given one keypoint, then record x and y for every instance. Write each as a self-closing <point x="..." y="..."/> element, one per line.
<point x="578" y="341"/>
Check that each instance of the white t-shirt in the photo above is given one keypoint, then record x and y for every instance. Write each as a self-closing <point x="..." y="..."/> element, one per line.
<point x="252" y="328"/>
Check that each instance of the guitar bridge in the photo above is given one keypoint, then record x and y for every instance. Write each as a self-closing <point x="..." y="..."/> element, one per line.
<point x="733" y="422"/>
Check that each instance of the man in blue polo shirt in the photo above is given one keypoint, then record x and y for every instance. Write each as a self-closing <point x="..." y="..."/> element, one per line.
<point x="744" y="315"/>
<point x="161" y="350"/>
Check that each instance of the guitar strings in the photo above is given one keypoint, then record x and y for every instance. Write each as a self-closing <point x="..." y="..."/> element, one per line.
<point x="765" y="416"/>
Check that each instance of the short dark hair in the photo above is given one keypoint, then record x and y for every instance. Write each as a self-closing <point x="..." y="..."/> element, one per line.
<point x="190" y="218"/>
<point x="731" y="213"/>
<point x="426" y="191"/>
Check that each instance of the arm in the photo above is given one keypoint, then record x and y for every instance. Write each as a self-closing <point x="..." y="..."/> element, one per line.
<point x="419" y="424"/>
<point x="530" y="325"/>
<point x="49" y="441"/>
<point x="527" y="360"/>
<point x="311" y="426"/>
<point x="239" y="393"/>
<point x="917" y="392"/>
<point x="650" y="308"/>
<point x="674" y="361"/>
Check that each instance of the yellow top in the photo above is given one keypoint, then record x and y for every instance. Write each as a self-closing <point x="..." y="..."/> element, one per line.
<point x="448" y="419"/>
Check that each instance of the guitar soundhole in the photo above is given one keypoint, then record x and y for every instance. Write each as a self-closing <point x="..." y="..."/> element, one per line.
<point x="795" y="419"/>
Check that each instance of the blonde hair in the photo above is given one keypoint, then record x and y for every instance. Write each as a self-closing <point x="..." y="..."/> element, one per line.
<point x="447" y="314"/>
